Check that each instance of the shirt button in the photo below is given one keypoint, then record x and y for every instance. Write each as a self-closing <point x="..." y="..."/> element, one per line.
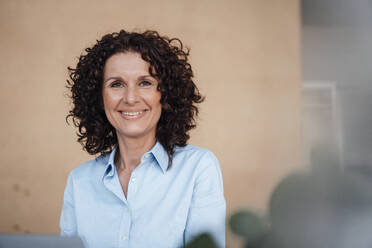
<point x="124" y="237"/>
<point x="146" y="155"/>
<point x="134" y="179"/>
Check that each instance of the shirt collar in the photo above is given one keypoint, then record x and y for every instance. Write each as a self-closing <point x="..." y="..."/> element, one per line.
<point x="161" y="156"/>
<point x="110" y="165"/>
<point x="158" y="152"/>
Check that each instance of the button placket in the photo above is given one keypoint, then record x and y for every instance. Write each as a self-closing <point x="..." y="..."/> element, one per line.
<point x="125" y="228"/>
<point x="133" y="184"/>
<point x="134" y="179"/>
<point x="132" y="187"/>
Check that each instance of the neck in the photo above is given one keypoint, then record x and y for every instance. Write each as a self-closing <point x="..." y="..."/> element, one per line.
<point x="131" y="151"/>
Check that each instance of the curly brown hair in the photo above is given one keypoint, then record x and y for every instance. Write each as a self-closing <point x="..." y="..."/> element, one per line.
<point x="168" y="63"/>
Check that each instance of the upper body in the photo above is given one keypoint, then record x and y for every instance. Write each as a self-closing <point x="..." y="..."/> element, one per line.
<point x="162" y="208"/>
<point x="133" y="95"/>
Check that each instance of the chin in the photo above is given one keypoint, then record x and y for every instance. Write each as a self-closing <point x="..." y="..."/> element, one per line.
<point x="133" y="134"/>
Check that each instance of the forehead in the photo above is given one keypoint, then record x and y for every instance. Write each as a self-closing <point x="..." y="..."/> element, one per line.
<point x="129" y="63"/>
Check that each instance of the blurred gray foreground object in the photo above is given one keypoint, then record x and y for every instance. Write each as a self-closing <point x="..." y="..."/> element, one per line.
<point x="39" y="241"/>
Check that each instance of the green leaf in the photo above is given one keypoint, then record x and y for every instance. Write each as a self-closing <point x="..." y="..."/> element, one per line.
<point x="204" y="240"/>
<point x="247" y="225"/>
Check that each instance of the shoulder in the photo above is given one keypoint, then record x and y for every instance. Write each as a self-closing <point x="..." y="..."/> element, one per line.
<point x="196" y="158"/>
<point x="193" y="151"/>
<point x="206" y="178"/>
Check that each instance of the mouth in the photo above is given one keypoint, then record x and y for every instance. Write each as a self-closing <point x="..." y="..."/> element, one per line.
<point x="131" y="115"/>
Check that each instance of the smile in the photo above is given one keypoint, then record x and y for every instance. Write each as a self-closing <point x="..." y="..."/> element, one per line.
<point x="132" y="115"/>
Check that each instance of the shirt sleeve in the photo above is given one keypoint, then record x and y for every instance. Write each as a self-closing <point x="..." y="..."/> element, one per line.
<point x="68" y="220"/>
<point x="207" y="211"/>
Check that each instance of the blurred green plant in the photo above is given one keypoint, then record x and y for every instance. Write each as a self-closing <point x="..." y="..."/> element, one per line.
<point x="312" y="210"/>
<point x="204" y="240"/>
<point x="249" y="226"/>
<point x="327" y="207"/>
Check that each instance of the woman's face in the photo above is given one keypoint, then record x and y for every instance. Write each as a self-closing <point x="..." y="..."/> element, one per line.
<point x="130" y="96"/>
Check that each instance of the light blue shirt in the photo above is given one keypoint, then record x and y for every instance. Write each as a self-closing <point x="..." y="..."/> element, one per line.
<point x="163" y="208"/>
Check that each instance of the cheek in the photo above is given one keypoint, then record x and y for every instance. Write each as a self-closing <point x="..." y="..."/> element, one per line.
<point x="153" y="99"/>
<point x="157" y="103"/>
<point x="110" y="100"/>
<point x="156" y="106"/>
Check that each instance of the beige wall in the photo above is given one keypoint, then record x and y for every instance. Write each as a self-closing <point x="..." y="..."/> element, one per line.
<point x="245" y="54"/>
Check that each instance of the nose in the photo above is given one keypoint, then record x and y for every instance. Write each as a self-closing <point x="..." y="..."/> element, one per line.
<point x="131" y="95"/>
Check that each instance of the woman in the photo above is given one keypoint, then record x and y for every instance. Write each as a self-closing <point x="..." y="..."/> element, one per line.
<point x="134" y="102"/>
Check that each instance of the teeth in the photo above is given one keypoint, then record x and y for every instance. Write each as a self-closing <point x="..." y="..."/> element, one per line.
<point x="132" y="113"/>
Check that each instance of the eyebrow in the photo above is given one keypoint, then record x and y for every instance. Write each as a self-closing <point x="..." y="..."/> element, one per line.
<point x="111" y="78"/>
<point x="146" y="76"/>
<point x="141" y="78"/>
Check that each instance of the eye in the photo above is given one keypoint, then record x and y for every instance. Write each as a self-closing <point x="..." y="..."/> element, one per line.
<point x="115" y="84"/>
<point x="145" y="83"/>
